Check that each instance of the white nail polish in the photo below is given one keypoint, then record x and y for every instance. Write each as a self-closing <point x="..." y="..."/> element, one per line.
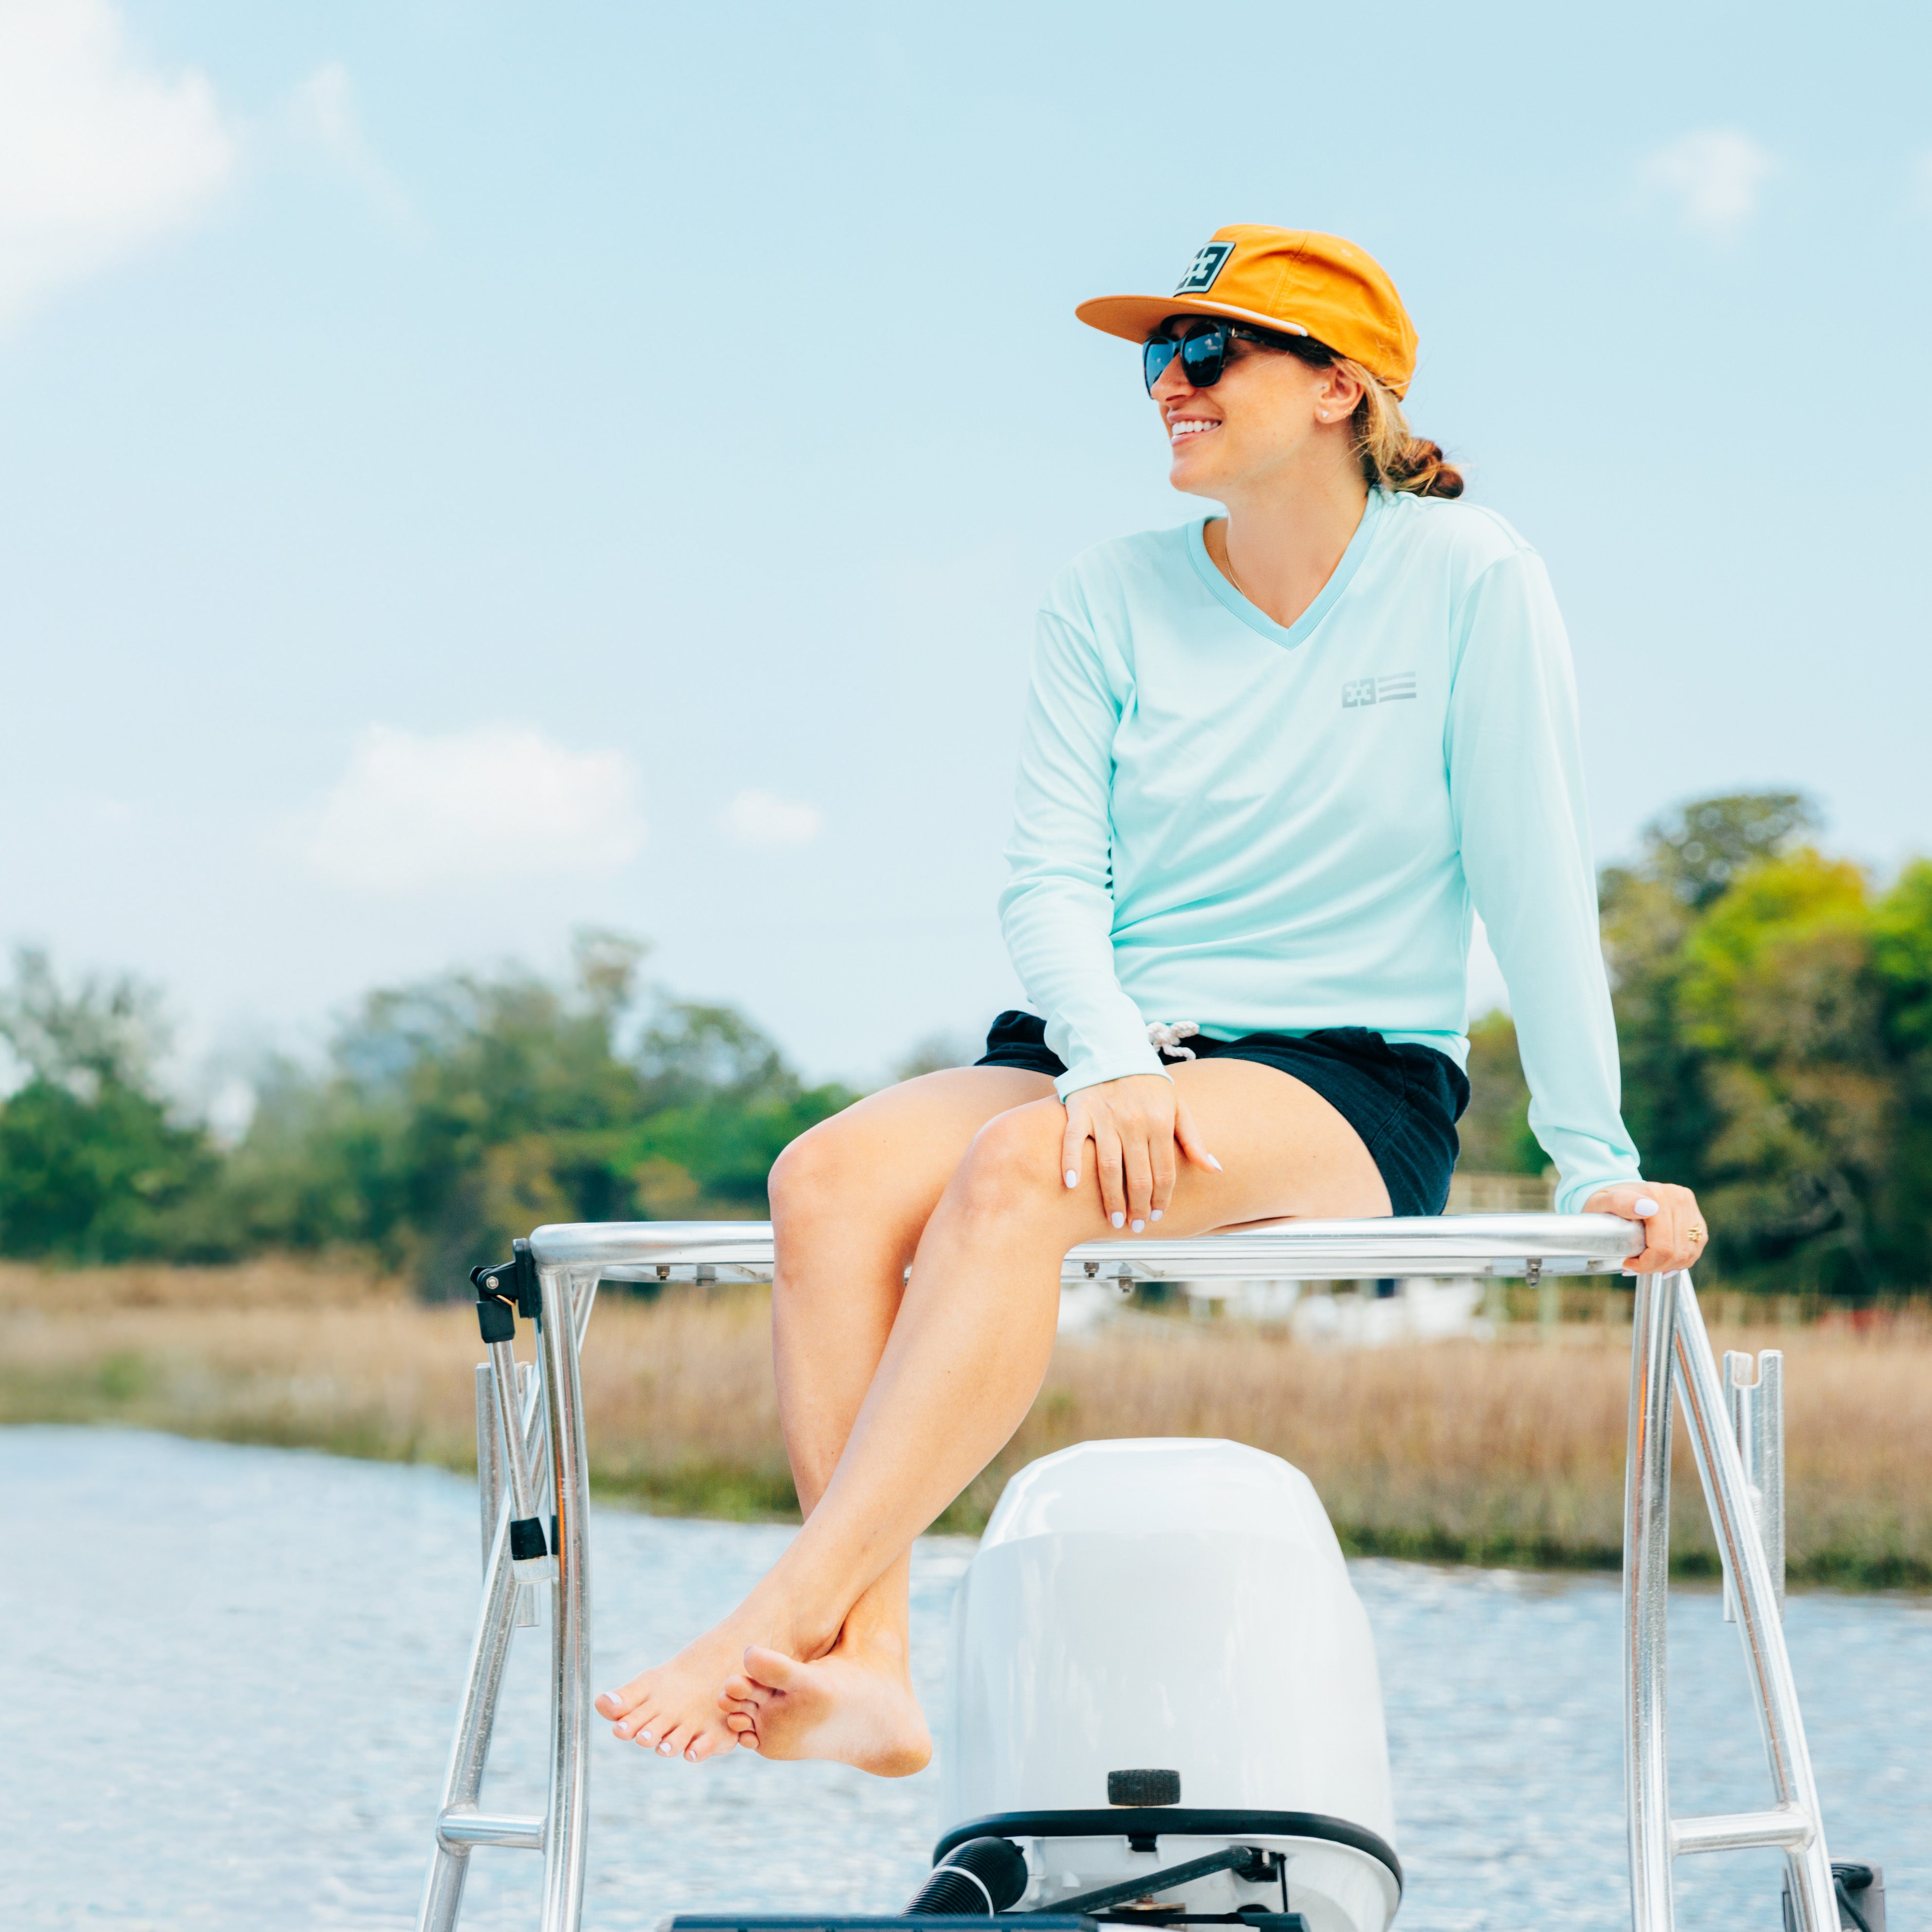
<point x="1644" y="1205"/>
<point x="1157" y="1213"/>
<point x="1073" y="1177"/>
<point x="1119" y="1220"/>
<point x="1214" y="1163"/>
<point x="1140" y="1227"/>
<point x="664" y="1749"/>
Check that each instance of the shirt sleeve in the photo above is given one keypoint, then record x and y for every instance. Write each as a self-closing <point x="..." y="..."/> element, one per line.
<point x="1515" y="785"/>
<point x="1057" y="911"/>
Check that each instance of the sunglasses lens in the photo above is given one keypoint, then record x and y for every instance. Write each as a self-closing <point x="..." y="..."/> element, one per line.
<point x="1155" y="356"/>
<point x="1202" y="356"/>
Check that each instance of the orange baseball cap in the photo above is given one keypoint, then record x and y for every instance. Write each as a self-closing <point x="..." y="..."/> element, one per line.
<point x="1291" y="279"/>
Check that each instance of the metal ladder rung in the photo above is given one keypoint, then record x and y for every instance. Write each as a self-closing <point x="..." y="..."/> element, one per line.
<point x="460" y="1825"/>
<point x="1786" y="1826"/>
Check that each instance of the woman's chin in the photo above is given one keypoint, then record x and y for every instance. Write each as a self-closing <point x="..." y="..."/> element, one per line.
<point x="1189" y="472"/>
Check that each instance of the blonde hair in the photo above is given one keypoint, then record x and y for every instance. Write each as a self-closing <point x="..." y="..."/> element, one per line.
<point x="1391" y="453"/>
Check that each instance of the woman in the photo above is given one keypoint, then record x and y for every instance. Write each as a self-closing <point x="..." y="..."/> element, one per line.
<point x="1271" y="760"/>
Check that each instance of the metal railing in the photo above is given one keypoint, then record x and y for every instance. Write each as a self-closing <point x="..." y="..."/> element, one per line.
<point x="544" y="1459"/>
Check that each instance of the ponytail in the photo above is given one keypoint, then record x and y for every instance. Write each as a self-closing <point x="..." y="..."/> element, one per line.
<point x="1391" y="454"/>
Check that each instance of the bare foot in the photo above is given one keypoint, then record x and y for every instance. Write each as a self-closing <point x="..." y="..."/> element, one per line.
<point x="674" y="1709"/>
<point x="852" y="1704"/>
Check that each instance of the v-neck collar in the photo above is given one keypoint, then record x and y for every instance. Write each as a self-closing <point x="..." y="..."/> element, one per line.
<point x="1255" y="618"/>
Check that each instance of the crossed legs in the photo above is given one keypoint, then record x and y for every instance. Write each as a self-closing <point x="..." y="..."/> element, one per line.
<point x="892" y="1401"/>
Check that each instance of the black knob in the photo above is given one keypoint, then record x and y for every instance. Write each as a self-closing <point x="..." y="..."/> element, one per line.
<point x="1143" y="1787"/>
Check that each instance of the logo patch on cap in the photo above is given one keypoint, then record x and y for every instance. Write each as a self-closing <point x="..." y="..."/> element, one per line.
<point x="1209" y="263"/>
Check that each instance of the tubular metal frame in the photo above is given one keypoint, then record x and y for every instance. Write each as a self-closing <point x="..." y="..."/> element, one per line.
<point x="1670" y="1353"/>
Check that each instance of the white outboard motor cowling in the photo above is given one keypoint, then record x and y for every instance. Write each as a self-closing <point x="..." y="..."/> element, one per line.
<point x="1158" y="1656"/>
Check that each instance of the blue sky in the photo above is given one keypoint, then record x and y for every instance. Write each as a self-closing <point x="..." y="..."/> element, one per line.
<point x="466" y="471"/>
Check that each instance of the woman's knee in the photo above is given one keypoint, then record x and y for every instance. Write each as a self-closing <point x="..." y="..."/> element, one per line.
<point x="1013" y="1164"/>
<point x="813" y="1170"/>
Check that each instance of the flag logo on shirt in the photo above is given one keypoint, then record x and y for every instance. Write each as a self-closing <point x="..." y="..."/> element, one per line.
<point x="1360" y="691"/>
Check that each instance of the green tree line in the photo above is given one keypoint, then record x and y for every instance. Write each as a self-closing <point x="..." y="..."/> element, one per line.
<point x="1774" y="1012"/>
<point x="1774" y="1009"/>
<point x="447" y="1117"/>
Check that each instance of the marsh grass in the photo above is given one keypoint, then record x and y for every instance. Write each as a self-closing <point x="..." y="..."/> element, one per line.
<point x="1506" y="1453"/>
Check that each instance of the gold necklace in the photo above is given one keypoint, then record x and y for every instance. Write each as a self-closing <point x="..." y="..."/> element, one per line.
<point x="1228" y="565"/>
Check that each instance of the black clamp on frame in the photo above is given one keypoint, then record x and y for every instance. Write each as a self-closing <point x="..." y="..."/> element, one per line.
<point x="505" y="1290"/>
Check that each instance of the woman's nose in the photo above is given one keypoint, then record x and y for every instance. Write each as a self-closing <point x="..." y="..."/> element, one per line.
<point x="1172" y="381"/>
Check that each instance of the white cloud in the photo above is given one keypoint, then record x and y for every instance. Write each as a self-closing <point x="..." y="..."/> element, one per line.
<point x="769" y="824"/>
<point x="321" y="114"/>
<point x="1714" y="175"/>
<point x="100" y="153"/>
<point x="491" y="804"/>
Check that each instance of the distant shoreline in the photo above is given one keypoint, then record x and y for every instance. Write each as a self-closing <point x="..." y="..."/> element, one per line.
<point x="1504" y="1454"/>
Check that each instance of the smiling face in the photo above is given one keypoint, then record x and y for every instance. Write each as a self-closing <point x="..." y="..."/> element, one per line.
<point x="1270" y="419"/>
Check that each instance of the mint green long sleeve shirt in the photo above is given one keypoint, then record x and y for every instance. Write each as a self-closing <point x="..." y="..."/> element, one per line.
<point x="1267" y="829"/>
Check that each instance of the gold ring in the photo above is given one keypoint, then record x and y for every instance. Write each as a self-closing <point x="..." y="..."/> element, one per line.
<point x="1696" y="1233"/>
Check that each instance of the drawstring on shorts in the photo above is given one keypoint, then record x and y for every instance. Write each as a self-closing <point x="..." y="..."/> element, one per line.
<point x="1168" y="1036"/>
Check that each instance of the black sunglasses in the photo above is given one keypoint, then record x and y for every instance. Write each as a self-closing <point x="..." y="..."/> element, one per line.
<point x="1203" y="351"/>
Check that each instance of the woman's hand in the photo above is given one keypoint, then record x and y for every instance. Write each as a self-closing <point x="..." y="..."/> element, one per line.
<point x="1673" y="1228"/>
<point x="1135" y="1125"/>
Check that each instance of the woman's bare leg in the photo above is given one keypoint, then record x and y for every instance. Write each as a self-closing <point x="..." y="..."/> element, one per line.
<point x="849" y="1199"/>
<point x="842" y="1258"/>
<point x="970" y="1342"/>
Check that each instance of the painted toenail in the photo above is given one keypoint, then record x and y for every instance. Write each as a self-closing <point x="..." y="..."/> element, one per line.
<point x="1119" y="1220"/>
<point x="1157" y="1213"/>
<point x="664" y="1749"/>
<point x="1140" y="1227"/>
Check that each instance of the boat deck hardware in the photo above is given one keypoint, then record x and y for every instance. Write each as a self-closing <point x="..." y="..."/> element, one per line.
<point x="553" y="1278"/>
<point x="1246" y="1861"/>
<point x="852" y="1921"/>
<point x="983" y="1875"/>
<point x="1860" y="1898"/>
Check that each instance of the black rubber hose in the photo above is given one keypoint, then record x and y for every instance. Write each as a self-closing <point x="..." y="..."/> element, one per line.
<point x="981" y="1876"/>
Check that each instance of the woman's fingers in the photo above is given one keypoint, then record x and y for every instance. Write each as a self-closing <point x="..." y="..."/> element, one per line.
<point x="1137" y="1170"/>
<point x="1674" y="1233"/>
<point x="1189" y="1138"/>
<point x="1160" y="1151"/>
<point x="1107" y="1161"/>
<point x="1135" y="1141"/>
<point x="1073" y="1141"/>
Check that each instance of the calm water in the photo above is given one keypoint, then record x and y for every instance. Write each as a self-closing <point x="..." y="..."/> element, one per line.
<point x="228" y="1677"/>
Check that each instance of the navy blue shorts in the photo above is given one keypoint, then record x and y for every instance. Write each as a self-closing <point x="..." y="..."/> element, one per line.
<point x="1403" y="1101"/>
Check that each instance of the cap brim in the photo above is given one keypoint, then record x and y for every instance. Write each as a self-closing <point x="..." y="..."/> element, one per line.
<point x="1135" y="318"/>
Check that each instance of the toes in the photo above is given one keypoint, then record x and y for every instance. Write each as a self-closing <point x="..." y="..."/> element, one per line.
<point x="738" y="1722"/>
<point x="740" y="1690"/>
<point x="615" y="1704"/>
<point x="638" y="1724"/>
<point x="771" y="1668"/>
